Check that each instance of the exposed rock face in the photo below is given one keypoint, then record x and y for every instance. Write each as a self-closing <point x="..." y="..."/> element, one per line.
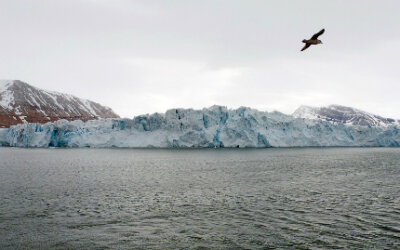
<point x="345" y="115"/>
<point x="21" y="102"/>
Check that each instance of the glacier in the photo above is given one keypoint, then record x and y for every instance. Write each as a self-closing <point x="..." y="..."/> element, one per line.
<point x="216" y="126"/>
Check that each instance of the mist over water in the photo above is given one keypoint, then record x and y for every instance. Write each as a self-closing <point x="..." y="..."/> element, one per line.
<point x="224" y="198"/>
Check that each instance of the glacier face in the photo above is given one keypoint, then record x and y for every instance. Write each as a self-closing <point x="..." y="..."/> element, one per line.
<point x="216" y="126"/>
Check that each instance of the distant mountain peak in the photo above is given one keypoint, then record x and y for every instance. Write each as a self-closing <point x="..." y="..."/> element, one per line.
<point x="342" y="114"/>
<point x="21" y="102"/>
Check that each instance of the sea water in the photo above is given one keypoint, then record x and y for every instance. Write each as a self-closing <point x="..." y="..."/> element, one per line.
<point x="212" y="198"/>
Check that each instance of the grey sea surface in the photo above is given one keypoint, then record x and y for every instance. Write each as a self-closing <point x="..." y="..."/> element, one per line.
<point x="305" y="198"/>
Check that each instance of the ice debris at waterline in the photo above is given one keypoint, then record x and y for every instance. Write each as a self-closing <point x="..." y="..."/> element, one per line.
<point x="210" y="127"/>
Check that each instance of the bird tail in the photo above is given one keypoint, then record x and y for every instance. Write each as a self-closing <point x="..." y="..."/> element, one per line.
<point x="304" y="41"/>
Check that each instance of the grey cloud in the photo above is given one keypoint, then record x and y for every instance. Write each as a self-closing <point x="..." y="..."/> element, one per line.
<point x="146" y="56"/>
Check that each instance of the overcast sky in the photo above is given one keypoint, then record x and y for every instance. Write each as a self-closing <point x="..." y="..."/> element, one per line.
<point x="149" y="56"/>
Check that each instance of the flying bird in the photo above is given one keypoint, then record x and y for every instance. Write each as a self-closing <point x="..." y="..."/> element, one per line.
<point x="313" y="40"/>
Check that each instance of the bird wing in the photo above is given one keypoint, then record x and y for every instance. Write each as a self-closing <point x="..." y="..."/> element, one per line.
<point x="316" y="35"/>
<point x="306" y="46"/>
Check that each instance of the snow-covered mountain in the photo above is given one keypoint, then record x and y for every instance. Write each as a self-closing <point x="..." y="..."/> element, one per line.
<point x="345" y="115"/>
<point x="21" y="102"/>
<point x="210" y="127"/>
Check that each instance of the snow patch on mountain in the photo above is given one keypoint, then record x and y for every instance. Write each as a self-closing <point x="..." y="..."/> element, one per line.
<point x="6" y="96"/>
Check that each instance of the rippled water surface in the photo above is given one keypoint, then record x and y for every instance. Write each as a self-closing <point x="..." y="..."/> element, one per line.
<point x="258" y="198"/>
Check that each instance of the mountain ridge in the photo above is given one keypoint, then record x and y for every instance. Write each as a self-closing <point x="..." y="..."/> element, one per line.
<point x="343" y="114"/>
<point x="22" y="103"/>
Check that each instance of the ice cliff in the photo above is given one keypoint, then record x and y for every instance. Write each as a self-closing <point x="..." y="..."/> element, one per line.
<point x="216" y="126"/>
